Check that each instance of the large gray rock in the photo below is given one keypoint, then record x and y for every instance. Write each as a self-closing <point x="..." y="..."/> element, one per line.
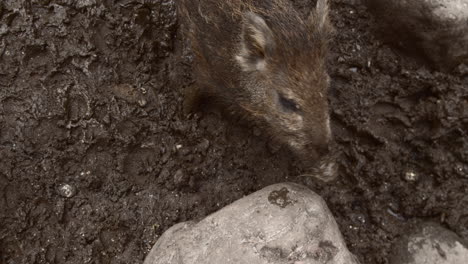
<point x="282" y="223"/>
<point x="439" y="28"/>
<point x="430" y="244"/>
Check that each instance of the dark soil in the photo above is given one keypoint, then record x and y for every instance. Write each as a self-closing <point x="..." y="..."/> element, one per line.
<point x="90" y="96"/>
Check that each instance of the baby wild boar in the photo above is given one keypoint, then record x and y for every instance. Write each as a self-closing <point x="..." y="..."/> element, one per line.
<point x="262" y="57"/>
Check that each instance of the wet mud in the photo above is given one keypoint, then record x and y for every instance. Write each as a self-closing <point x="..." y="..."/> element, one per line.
<point x="97" y="158"/>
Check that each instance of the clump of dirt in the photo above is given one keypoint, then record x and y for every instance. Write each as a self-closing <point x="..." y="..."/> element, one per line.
<point x="97" y="159"/>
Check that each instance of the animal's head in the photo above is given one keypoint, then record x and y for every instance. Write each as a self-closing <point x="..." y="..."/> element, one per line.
<point x="285" y="74"/>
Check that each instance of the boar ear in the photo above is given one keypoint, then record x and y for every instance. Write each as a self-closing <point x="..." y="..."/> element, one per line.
<point x="256" y="41"/>
<point x="320" y="20"/>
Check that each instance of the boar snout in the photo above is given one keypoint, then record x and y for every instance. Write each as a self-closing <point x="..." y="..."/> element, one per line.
<point x="324" y="167"/>
<point x="317" y="150"/>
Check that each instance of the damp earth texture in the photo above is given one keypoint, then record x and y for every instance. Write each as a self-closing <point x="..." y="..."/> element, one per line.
<point x="97" y="158"/>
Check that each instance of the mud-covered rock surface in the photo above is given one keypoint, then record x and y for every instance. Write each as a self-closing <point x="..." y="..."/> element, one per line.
<point x="280" y="224"/>
<point x="429" y="243"/>
<point x="97" y="159"/>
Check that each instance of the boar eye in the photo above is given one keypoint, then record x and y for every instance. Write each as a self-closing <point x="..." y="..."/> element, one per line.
<point x="288" y="104"/>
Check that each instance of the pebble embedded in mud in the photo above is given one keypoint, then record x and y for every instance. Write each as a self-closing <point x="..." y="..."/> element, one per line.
<point x="411" y="176"/>
<point x="436" y="28"/>
<point x="180" y="177"/>
<point x="66" y="190"/>
<point x="429" y="243"/>
<point x="203" y="146"/>
<point x="142" y="102"/>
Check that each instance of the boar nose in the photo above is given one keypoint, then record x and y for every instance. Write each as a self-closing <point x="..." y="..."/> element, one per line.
<point x="316" y="152"/>
<point x="324" y="140"/>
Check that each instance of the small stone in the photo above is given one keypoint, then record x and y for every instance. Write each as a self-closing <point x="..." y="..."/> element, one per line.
<point x="459" y="169"/>
<point x="353" y="69"/>
<point x="142" y="102"/>
<point x="358" y="218"/>
<point x="429" y="243"/>
<point x="180" y="178"/>
<point x="437" y="28"/>
<point x="66" y="190"/>
<point x="165" y="157"/>
<point x="164" y="174"/>
<point x="203" y="145"/>
<point x="411" y="176"/>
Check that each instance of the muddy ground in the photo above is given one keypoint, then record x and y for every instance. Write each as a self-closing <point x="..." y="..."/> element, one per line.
<point x="90" y="100"/>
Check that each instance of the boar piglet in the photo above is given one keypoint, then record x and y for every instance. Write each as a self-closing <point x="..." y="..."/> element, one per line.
<point x="263" y="58"/>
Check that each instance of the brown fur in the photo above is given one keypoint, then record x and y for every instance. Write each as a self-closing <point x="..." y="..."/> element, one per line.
<point x="253" y="53"/>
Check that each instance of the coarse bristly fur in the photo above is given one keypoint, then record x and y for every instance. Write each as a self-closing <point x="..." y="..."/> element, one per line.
<point x="260" y="56"/>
